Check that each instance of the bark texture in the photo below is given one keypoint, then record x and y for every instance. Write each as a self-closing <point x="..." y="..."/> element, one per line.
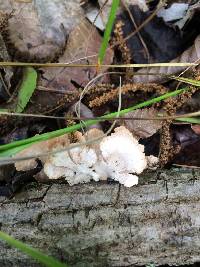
<point x="100" y="224"/>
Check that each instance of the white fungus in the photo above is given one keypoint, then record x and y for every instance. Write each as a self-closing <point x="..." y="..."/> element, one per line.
<point x="118" y="156"/>
<point x="75" y="166"/>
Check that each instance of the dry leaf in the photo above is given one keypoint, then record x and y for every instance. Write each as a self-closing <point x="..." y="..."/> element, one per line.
<point x="175" y="12"/>
<point x="83" y="41"/>
<point x="106" y="7"/>
<point x="190" y="55"/>
<point x="192" y="9"/>
<point x="39" y="29"/>
<point x="142" y="128"/>
<point x="196" y="129"/>
<point x="93" y="15"/>
<point x="4" y="56"/>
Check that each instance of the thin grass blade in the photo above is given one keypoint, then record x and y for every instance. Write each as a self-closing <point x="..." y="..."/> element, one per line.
<point x="189" y="120"/>
<point x="188" y="81"/>
<point x="32" y="252"/>
<point x="71" y="65"/>
<point x="108" y="30"/>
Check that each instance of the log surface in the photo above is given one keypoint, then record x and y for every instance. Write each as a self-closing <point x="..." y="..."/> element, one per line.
<point x="101" y="224"/>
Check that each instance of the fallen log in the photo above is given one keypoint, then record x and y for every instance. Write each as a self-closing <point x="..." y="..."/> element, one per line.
<point x="100" y="224"/>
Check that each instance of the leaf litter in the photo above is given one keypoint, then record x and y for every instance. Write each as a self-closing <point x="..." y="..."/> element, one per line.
<point x="69" y="37"/>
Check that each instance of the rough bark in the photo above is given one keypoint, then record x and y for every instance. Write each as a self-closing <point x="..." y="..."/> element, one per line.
<point x="101" y="224"/>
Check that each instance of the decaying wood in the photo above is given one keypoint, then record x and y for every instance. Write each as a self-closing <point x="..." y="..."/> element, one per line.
<point x="100" y="224"/>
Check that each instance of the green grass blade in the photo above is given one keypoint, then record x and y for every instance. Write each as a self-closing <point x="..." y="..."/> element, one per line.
<point x="188" y="81"/>
<point x="32" y="252"/>
<point x="108" y="30"/>
<point x="14" y="150"/>
<point x="189" y="120"/>
<point x="27" y="88"/>
<point x="14" y="147"/>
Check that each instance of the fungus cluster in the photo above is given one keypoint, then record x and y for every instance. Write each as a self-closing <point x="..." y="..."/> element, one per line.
<point x="118" y="156"/>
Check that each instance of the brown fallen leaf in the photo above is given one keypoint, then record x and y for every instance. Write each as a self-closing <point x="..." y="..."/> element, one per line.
<point x="190" y="55"/>
<point x="39" y="29"/>
<point x="142" y="128"/>
<point x="84" y="41"/>
<point x="4" y="56"/>
<point x="196" y="129"/>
